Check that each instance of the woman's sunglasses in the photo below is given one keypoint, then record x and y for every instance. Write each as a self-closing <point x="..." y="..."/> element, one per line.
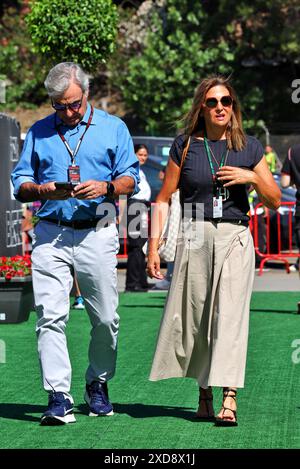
<point x="226" y="101"/>
<point x="75" y="106"/>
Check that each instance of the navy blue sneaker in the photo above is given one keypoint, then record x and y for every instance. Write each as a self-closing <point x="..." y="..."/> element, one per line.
<point x="60" y="410"/>
<point x="96" y="396"/>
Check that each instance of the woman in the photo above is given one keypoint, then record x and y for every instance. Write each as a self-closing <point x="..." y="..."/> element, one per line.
<point x="138" y="205"/>
<point x="204" y="331"/>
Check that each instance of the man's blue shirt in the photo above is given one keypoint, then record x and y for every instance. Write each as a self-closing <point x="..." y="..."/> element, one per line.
<point x="106" y="153"/>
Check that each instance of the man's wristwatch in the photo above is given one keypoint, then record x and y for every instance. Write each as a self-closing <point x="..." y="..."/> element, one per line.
<point x="110" y="190"/>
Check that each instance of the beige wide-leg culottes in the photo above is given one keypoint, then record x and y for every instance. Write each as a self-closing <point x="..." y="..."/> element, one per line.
<point x="204" y="329"/>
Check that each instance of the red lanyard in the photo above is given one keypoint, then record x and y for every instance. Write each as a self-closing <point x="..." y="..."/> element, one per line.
<point x="71" y="152"/>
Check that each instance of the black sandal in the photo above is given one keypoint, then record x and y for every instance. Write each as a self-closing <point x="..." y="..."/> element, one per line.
<point x="224" y="421"/>
<point x="205" y="399"/>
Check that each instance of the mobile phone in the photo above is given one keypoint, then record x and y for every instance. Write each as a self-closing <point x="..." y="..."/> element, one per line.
<point x="63" y="185"/>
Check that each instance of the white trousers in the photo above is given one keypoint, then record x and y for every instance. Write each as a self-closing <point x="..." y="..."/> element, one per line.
<point x="92" y="254"/>
<point x="204" y="330"/>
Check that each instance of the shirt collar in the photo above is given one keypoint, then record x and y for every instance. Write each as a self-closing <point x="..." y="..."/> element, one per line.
<point x="86" y="116"/>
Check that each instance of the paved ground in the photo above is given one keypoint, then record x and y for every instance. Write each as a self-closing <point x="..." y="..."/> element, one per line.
<point x="277" y="280"/>
<point x="273" y="279"/>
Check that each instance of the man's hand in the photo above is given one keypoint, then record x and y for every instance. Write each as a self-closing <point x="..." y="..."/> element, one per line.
<point x="90" y="190"/>
<point x="48" y="191"/>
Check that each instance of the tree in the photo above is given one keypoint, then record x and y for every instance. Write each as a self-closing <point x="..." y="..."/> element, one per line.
<point x="8" y="4"/>
<point x="20" y="69"/>
<point x="83" y="32"/>
<point x="257" y="42"/>
<point x="158" y="83"/>
<point x="264" y="36"/>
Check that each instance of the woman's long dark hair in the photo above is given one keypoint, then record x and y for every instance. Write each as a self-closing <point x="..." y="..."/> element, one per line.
<point x="194" y="121"/>
<point x="140" y="146"/>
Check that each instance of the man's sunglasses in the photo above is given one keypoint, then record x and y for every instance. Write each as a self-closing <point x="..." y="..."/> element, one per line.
<point x="226" y="101"/>
<point x="75" y="106"/>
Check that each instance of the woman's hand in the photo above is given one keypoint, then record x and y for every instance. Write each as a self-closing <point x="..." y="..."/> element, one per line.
<point x="153" y="265"/>
<point x="235" y="175"/>
<point x="261" y="178"/>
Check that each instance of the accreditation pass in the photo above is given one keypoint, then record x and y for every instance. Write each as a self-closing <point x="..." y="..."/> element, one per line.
<point x="217" y="207"/>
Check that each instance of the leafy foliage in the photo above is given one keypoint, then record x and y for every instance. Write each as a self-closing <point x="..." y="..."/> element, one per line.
<point x="164" y="48"/>
<point x="264" y="36"/>
<point x="159" y="83"/>
<point x="257" y="42"/>
<point x="83" y="32"/>
<point x="19" y="67"/>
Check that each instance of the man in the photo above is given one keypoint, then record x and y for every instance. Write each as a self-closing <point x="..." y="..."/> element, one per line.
<point x="91" y="154"/>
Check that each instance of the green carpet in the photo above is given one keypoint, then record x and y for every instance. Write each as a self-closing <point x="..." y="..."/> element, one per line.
<point x="161" y="414"/>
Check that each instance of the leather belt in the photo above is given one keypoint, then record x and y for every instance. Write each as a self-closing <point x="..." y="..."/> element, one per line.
<point x="228" y="220"/>
<point x="76" y="224"/>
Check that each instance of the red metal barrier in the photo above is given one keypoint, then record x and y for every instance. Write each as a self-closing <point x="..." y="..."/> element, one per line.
<point x="282" y="249"/>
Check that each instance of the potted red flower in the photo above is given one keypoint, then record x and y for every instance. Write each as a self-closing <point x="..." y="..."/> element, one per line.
<point x="16" y="296"/>
<point x="16" y="266"/>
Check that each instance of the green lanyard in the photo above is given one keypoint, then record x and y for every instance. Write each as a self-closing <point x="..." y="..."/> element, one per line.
<point x="223" y="158"/>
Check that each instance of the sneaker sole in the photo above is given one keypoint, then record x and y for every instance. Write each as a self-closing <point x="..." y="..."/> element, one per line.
<point x="78" y="307"/>
<point x="92" y="414"/>
<point x="55" y="420"/>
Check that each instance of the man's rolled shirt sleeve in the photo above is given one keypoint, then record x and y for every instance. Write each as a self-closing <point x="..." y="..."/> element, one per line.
<point x="126" y="162"/>
<point x="25" y="170"/>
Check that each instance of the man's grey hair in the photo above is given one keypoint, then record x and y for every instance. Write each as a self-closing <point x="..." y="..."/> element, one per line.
<point x="62" y="75"/>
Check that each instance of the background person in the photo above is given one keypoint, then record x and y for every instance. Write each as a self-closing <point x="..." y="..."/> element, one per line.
<point x="80" y="144"/>
<point x="272" y="159"/>
<point x="204" y="330"/>
<point x="164" y="284"/>
<point x="79" y="300"/>
<point x="137" y="234"/>
<point x="290" y="175"/>
<point x="27" y="229"/>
